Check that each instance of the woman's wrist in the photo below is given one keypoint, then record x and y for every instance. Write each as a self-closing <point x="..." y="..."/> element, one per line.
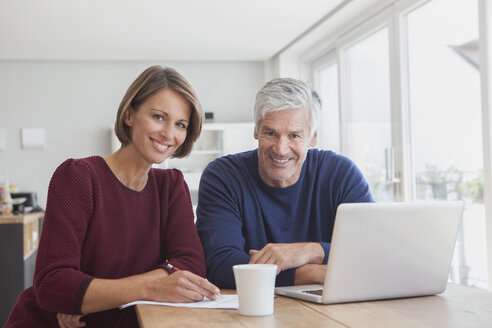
<point x="148" y="281"/>
<point x="145" y="287"/>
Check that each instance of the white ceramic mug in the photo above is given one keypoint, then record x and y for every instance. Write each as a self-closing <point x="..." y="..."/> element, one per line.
<point x="255" y="285"/>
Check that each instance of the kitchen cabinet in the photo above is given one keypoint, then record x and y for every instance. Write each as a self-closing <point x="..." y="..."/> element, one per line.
<point x="19" y="237"/>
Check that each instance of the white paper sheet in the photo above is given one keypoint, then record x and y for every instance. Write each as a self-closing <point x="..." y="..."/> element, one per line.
<point x="221" y="302"/>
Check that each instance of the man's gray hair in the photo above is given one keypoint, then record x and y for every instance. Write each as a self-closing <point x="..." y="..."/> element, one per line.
<point x="286" y="93"/>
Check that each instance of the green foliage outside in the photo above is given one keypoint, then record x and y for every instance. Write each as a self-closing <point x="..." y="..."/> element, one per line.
<point x="450" y="184"/>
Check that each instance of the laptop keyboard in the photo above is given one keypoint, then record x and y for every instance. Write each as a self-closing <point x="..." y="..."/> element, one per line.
<point x="315" y="291"/>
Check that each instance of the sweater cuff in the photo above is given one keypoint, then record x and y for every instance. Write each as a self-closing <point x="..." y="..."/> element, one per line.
<point x="326" y="248"/>
<point x="77" y="304"/>
<point x="286" y="278"/>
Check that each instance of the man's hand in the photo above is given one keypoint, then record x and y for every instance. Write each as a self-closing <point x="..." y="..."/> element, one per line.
<point x="288" y="256"/>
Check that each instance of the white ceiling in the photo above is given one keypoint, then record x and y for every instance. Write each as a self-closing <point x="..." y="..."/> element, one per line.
<point x="154" y="29"/>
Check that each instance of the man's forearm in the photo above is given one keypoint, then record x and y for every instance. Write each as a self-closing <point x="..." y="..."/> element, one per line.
<point x="317" y="253"/>
<point x="310" y="274"/>
<point x="288" y="255"/>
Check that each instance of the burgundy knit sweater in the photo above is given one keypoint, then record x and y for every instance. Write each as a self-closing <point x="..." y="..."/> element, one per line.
<point x="96" y="227"/>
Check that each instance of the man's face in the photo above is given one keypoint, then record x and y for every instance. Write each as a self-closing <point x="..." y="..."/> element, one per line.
<point x="283" y="141"/>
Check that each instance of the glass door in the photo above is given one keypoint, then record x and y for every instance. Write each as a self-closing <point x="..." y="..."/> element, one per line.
<point x="445" y="121"/>
<point x="326" y="83"/>
<point x="410" y="110"/>
<point x="366" y="103"/>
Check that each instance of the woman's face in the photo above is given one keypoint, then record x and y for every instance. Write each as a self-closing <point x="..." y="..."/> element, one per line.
<point x="160" y="125"/>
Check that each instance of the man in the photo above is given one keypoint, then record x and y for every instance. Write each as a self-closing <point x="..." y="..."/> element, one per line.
<point x="276" y="204"/>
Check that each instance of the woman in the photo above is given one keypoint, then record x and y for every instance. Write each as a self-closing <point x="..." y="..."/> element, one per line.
<point x="113" y="225"/>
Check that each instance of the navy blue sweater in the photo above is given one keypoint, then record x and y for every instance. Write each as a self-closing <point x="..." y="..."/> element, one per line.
<point x="237" y="211"/>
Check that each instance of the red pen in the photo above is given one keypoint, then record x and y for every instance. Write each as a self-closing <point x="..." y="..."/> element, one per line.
<point x="172" y="268"/>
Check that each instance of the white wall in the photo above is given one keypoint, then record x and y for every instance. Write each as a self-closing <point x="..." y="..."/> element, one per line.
<point x="76" y="102"/>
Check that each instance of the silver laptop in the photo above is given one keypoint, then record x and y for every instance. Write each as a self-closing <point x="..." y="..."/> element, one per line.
<point x="386" y="250"/>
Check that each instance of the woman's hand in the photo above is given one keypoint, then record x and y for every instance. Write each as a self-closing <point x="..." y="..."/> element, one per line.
<point x="181" y="286"/>
<point x="156" y="285"/>
<point x="69" y="320"/>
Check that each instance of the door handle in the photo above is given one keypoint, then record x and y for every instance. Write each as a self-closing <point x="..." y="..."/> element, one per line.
<point x="389" y="157"/>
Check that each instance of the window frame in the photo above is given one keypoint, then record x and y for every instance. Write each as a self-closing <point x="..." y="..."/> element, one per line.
<point x="393" y="14"/>
<point x="316" y="66"/>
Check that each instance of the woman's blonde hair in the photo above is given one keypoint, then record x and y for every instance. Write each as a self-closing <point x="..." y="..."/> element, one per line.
<point x="152" y="80"/>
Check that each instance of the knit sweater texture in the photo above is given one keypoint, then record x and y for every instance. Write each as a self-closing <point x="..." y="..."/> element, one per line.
<point x="96" y="227"/>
